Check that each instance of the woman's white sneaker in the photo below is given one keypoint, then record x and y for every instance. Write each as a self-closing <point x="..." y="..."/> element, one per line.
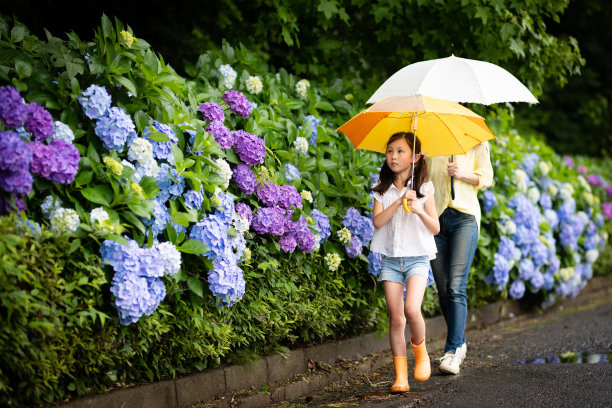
<point x="450" y="362"/>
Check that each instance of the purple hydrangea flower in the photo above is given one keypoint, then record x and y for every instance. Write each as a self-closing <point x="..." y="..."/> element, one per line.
<point x="221" y="134"/>
<point x="302" y="234"/>
<point x="7" y="205"/>
<point x="288" y="196"/>
<point x="226" y="280"/>
<point x="609" y="190"/>
<point x="67" y="158"/>
<point x="13" y="111"/>
<point x="115" y="129"/>
<point x="354" y="247"/>
<point x="268" y="193"/>
<point x="244" y="178"/>
<point x="244" y="210"/>
<point x="19" y="182"/>
<point x="212" y="231"/>
<point x="95" y="101"/>
<point x="606" y="208"/>
<point x="238" y="103"/>
<point x="162" y="150"/>
<point x="517" y="289"/>
<point x="250" y="148"/>
<point x="269" y="220"/>
<point x="15" y="155"/>
<point x="38" y="122"/>
<point x="287" y="243"/>
<point x="212" y="112"/>
<point x="569" y="161"/>
<point x="581" y="169"/>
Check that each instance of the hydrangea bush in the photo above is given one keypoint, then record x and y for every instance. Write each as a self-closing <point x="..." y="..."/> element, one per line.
<point x="224" y="210"/>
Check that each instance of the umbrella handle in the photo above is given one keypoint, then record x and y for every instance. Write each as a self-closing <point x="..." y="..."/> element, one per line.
<point x="405" y="203"/>
<point x="452" y="181"/>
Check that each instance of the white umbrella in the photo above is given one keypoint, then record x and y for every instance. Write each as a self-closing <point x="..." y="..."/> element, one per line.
<point x="455" y="79"/>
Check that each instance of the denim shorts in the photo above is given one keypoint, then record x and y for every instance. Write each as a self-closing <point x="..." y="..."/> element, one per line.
<point x="399" y="269"/>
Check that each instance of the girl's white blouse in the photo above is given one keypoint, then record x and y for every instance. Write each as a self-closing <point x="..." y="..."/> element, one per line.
<point x="404" y="234"/>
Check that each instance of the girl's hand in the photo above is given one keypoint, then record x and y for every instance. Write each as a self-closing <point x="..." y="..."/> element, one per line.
<point x="410" y="202"/>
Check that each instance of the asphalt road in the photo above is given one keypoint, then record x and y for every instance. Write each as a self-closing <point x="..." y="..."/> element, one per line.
<point x="558" y="358"/>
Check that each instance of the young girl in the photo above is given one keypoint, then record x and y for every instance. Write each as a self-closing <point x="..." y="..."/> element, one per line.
<point x="406" y="243"/>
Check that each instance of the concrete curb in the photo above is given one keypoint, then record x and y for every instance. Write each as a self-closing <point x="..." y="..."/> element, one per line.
<point x="283" y="379"/>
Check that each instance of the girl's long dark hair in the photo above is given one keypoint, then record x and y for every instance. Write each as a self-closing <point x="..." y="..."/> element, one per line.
<point x="420" y="168"/>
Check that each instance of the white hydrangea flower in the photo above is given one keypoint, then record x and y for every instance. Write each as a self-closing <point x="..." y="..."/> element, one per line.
<point x="246" y="254"/>
<point x="277" y="76"/>
<point x="584" y="183"/>
<point x="533" y="194"/>
<point x="254" y="85"/>
<point x="98" y="215"/>
<point x="344" y="235"/>
<point x="148" y="168"/>
<point x="317" y="240"/>
<point x="521" y="180"/>
<point x="565" y="193"/>
<point x="301" y="145"/>
<point x="141" y="150"/>
<point x="306" y="195"/>
<point x="63" y="132"/>
<point x="225" y="171"/>
<point x="591" y="255"/>
<point x="240" y="223"/>
<point x="301" y="88"/>
<point x="553" y="190"/>
<point x="544" y="167"/>
<point x="332" y="260"/>
<point x="566" y="273"/>
<point x="48" y="206"/>
<point x="569" y="187"/>
<point x="64" y="220"/>
<point x="509" y="227"/>
<point x="227" y="76"/>
<point x="171" y="258"/>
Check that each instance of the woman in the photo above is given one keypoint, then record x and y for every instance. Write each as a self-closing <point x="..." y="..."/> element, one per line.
<point x="457" y="240"/>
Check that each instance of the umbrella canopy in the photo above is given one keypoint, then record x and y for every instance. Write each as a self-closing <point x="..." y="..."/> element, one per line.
<point x="443" y="127"/>
<point x="455" y="79"/>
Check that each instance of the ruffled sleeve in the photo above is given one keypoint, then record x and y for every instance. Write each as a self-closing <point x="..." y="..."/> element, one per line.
<point x="376" y="194"/>
<point x="428" y="189"/>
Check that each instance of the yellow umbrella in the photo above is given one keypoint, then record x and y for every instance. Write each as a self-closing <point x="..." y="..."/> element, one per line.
<point x="443" y="127"/>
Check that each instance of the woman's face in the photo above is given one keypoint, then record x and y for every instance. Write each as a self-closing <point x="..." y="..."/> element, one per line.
<point x="399" y="155"/>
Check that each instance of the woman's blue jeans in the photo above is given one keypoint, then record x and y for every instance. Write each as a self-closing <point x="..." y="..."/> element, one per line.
<point x="456" y="243"/>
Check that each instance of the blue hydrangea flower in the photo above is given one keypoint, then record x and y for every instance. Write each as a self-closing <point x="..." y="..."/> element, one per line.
<point x="539" y="253"/>
<point x="193" y="199"/>
<point x="315" y="123"/>
<point x="536" y="281"/>
<point x="292" y="172"/>
<point x="553" y="265"/>
<point x="322" y="225"/>
<point x="226" y="280"/>
<point x="549" y="280"/>
<point x="517" y="289"/>
<point x="212" y="231"/>
<point x="551" y="218"/>
<point x="170" y="258"/>
<point x="115" y="129"/>
<point x="568" y="237"/>
<point x="526" y="268"/>
<point x="169" y="182"/>
<point x="506" y="247"/>
<point x="490" y="200"/>
<point x="224" y="202"/>
<point x="161" y="150"/>
<point x="358" y="225"/>
<point x="499" y="274"/>
<point x="530" y="161"/>
<point x="545" y="201"/>
<point x="95" y="101"/>
<point x="374" y="259"/>
<point x="160" y="218"/>
<point x="566" y="210"/>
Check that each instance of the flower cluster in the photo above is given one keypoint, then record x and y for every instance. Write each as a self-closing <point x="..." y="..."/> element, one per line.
<point x="238" y="103"/>
<point x="254" y="85"/>
<point x="161" y="150"/>
<point x="250" y="148"/>
<point x="136" y="285"/>
<point x="301" y="88"/>
<point x="361" y="230"/>
<point x="54" y="159"/>
<point x="332" y="260"/>
<point x="314" y="123"/>
<point x="227" y="76"/>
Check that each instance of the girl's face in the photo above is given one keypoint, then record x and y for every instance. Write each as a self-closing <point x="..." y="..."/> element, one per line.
<point x="399" y="155"/>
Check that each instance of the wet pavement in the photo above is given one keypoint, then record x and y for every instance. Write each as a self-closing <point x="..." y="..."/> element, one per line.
<point x="557" y="358"/>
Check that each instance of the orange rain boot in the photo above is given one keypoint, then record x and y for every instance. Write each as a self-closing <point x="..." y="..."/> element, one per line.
<point x="422" y="367"/>
<point x="401" y="375"/>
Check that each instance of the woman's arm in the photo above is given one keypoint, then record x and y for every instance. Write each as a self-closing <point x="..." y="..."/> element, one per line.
<point x="380" y="216"/>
